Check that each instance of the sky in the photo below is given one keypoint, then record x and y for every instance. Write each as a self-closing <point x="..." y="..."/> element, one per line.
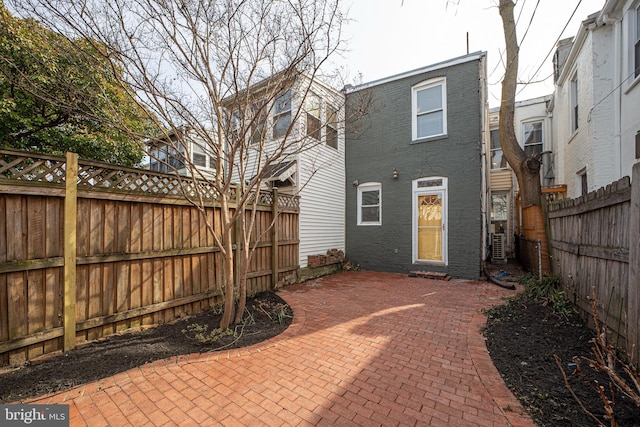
<point x="387" y="37"/>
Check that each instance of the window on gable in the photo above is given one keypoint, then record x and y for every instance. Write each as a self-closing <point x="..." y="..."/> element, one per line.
<point x="259" y="122"/>
<point x="235" y="124"/>
<point x="312" y="108"/>
<point x="331" y="129"/>
<point x="429" y="109"/>
<point x="636" y="46"/>
<point x="369" y="204"/>
<point x="573" y="97"/>
<point x="533" y="139"/>
<point x="282" y="115"/>
<point x="498" y="161"/>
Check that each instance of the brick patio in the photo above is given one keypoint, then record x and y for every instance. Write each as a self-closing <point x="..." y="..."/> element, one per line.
<point x="365" y="349"/>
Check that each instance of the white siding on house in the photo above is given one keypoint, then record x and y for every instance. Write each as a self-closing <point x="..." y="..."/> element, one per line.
<point x="322" y="201"/>
<point x="320" y="177"/>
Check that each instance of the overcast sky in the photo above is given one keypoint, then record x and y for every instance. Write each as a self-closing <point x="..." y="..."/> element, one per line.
<point x="387" y="37"/>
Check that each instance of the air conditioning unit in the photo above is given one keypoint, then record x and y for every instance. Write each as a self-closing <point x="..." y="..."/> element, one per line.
<point x="498" y="249"/>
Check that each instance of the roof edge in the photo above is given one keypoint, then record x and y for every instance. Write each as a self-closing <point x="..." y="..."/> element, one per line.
<point x="437" y="66"/>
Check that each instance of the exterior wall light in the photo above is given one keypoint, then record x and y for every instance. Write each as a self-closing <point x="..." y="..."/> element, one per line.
<point x="395" y="173"/>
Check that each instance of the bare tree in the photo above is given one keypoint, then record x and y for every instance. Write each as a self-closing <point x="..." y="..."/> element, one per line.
<point x="212" y="72"/>
<point x="526" y="168"/>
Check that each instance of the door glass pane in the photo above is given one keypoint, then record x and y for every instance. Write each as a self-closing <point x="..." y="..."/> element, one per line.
<point x="430" y="244"/>
<point x="430" y="227"/>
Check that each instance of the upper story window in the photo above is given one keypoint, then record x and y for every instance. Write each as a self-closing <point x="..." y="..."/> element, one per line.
<point x="498" y="161"/>
<point x="533" y="138"/>
<point x="312" y="108"/>
<point x="573" y="103"/>
<point x="370" y="204"/>
<point x="331" y="129"/>
<point x="429" y="109"/>
<point x="282" y="115"/>
<point x="315" y="110"/>
<point x="636" y="45"/>
<point x="259" y="124"/>
<point x="169" y="158"/>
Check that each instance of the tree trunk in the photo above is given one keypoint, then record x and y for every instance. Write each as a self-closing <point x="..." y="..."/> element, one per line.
<point x="227" y="268"/>
<point x="527" y="169"/>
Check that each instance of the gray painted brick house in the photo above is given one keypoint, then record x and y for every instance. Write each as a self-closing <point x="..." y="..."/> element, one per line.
<point x="415" y="174"/>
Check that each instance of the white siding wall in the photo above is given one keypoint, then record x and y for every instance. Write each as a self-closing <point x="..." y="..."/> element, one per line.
<point x="322" y="195"/>
<point x="320" y="179"/>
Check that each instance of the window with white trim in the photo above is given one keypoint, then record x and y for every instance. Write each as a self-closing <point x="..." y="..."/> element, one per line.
<point x="573" y="106"/>
<point x="636" y="44"/>
<point x="583" y="184"/>
<point x="370" y="204"/>
<point x="533" y="138"/>
<point x="259" y="124"/>
<point x="498" y="161"/>
<point x="331" y="128"/>
<point x="429" y="109"/>
<point x="282" y="115"/>
<point x="312" y="108"/>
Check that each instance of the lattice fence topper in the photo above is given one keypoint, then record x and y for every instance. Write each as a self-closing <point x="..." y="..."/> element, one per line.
<point x="286" y="201"/>
<point x="24" y="166"/>
<point x="44" y="168"/>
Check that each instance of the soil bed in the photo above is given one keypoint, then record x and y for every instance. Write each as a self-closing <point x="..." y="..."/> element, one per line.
<point x="522" y="337"/>
<point x="269" y="315"/>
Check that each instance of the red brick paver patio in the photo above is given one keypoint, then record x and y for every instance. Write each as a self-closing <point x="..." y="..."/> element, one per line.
<point x="365" y="349"/>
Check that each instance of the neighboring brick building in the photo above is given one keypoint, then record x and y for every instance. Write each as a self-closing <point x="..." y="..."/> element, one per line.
<point x="416" y="178"/>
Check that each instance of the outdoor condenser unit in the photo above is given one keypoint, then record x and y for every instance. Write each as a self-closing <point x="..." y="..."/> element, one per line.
<point x="498" y="250"/>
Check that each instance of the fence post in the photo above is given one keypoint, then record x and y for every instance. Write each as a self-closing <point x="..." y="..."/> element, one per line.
<point x="70" y="225"/>
<point x="634" y="266"/>
<point x="274" y="241"/>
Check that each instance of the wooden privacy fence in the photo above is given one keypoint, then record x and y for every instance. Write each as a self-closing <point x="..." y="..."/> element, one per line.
<point x="88" y="249"/>
<point x="595" y="245"/>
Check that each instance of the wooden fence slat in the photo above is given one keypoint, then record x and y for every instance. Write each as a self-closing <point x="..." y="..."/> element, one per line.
<point x="590" y="237"/>
<point x="70" y="250"/>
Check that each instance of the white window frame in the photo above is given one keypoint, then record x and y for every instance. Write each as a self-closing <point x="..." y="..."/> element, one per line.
<point x="635" y="45"/>
<point x="582" y="182"/>
<point x="331" y="125"/>
<point x="507" y="196"/>
<point x="313" y="109"/>
<point x="574" y="104"/>
<point x="282" y="109"/>
<point x="417" y="190"/>
<point x="493" y="150"/>
<point x="524" y="135"/>
<point x="441" y="81"/>
<point x="370" y="186"/>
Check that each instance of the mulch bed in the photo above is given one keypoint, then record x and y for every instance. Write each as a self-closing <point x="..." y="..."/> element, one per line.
<point x="522" y="337"/>
<point x="119" y="353"/>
